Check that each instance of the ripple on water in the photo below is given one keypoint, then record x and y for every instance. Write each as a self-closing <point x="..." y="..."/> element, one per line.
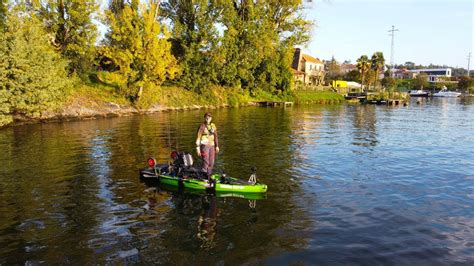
<point x="363" y="185"/>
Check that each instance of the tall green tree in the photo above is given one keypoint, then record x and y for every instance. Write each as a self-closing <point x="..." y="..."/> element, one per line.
<point x="195" y="40"/>
<point x="377" y="65"/>
<point x="5" y="94"/>
<point x="259" y="40"/>
<point x="138" y="49"/>
<point x="33" y="74"/>
<point x="421" y="81"/>
<point x="75" y="33"/>
<point x="252" y="48"/>
<point x="363" y="65"/>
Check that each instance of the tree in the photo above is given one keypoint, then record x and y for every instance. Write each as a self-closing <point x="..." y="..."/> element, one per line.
<point x="33" y="75"/>
<point x="377" y="64"/>
<point x="138" y="49"/>
<point x="195" y="40"/>
<point x="421" y="81"/>
<point x="5" y="94"/>
<point x="465" y="83"/>
<point x="259" y="42"/>
<point x="70" y="22"/>
<point x="3" y="13"/>
<point x="363" y="65"/>
<point x="409" y="65"/>
<point x="334" y="70"/>
<point x="353" y="75"/>
<point x="370" y="78"/>
<point x="389" y="82"/>
<point x="253" y="50"/>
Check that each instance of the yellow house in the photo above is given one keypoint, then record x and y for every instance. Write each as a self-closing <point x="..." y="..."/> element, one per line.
<point x="307" y="69"/>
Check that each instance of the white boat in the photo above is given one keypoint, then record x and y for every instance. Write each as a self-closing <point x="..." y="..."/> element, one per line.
<point x="445" y="93"/>
<point x="418" y="93"/>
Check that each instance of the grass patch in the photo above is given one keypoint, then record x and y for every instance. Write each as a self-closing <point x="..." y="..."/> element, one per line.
<point x="320" y="97"/>
<point x="89" y="94"/>
<point x="171" y="96"/>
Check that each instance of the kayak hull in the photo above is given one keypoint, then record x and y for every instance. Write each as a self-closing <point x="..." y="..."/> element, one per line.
<point x="229" y="185"/>
<point x="219" y="194"/>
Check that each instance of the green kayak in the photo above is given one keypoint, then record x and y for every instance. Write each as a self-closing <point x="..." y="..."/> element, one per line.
<point x="229" y="184"/>
<point x="219" y="194"/>
<point x="181" y="174"/>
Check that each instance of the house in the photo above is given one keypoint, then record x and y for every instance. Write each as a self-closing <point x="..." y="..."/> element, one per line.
<point x="403" y="74"/>
<point x="307" y="69"/>
<point x="433" y="74"/>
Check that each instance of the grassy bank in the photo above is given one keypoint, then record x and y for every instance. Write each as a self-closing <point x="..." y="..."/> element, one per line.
<point x="165" y="97"/>
<point x="86" y="100"/>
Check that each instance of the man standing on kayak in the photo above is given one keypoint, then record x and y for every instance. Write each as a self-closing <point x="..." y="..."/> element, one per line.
<point x="207" y="145"/>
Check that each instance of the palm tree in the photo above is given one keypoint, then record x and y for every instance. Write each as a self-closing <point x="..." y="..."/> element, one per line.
<point x="363" y="65"/>
<point x="377" y="64"/>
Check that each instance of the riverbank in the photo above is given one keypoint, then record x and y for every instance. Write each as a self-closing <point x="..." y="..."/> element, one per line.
<point x="91" y="101"/>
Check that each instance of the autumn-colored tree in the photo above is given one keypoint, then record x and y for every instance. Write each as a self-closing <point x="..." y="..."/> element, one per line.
<point x="3" y="13"/>
<point x="138" y="49"/>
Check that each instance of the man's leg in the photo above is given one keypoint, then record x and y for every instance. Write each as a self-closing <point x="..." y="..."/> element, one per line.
<point x="205" y="158"/>
<point x="212" y="156"/>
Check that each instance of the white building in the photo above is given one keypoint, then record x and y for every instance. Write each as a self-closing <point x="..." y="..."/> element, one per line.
<point x="434" y="74"/>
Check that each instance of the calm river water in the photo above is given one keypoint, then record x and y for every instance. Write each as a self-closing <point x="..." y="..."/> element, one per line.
<point x="347" y="185"/>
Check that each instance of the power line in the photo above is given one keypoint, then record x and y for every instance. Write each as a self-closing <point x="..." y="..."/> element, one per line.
<point x="392" y="33"/>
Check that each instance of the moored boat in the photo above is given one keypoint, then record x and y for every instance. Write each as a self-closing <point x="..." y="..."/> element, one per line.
<point x="418" y="93"/>
<point x="444" y="92"/>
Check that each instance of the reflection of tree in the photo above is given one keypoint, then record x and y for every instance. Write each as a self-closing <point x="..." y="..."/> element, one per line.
<point x="248" y="137"/>
<point x="46" y="197"/>
<point x="75" y="186"/>
<point x="364" y="121"/>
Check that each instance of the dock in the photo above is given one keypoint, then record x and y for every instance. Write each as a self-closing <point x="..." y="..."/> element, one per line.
<point x="396" y="102"/>
<point x="391" y="102"/>
<point x="274" y="103"/>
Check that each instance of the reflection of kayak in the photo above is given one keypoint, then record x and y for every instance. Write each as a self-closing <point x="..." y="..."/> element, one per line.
<point x="182" y="174"/>
<point x="248" y="196"/>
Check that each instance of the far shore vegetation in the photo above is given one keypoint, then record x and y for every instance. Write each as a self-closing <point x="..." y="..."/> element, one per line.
<point x="155" y="54"/>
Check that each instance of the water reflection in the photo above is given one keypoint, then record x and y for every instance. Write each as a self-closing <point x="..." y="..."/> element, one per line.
<point x="364" y="121"/>
<point x="207" y="222"/>
<point x="347" y="184"/>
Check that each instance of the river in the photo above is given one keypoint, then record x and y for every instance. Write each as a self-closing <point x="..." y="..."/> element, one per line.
<point x="348" y="184"/>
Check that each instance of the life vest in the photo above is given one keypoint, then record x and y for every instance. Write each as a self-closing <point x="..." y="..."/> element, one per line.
<point x="207" y="137"/>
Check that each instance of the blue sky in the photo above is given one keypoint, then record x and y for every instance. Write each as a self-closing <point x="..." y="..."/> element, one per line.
<point x="436" y="31"/>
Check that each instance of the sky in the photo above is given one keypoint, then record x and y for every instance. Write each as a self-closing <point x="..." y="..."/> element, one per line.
<point x="430" y="31"/>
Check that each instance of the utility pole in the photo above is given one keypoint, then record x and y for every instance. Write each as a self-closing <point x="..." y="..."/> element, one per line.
<point x="392" y="33"/>
<point x="468" y="63"/>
